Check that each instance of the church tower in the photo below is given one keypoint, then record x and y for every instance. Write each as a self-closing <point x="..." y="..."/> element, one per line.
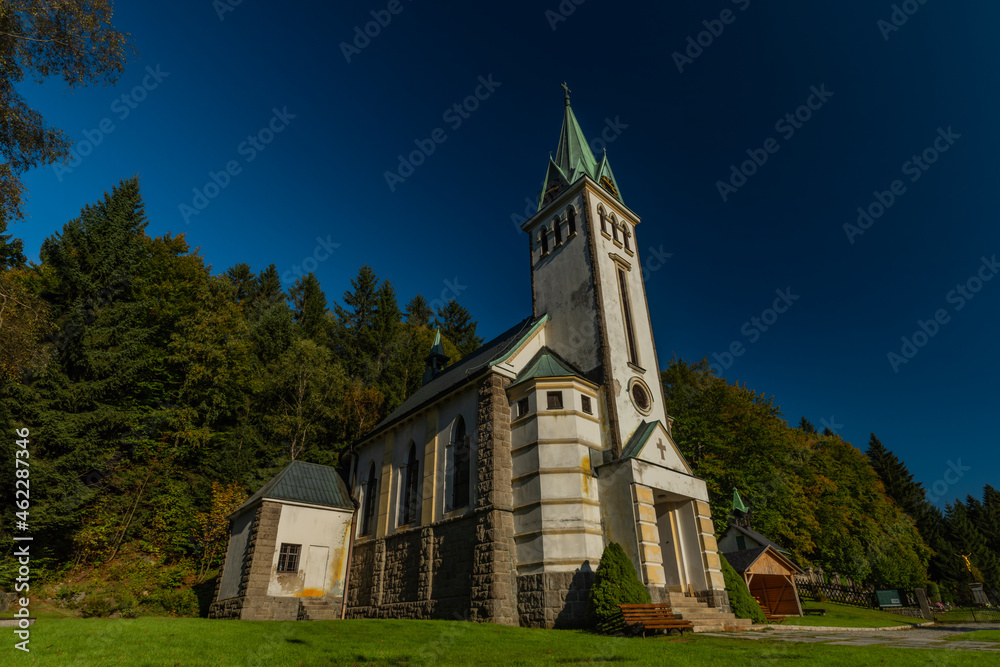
<point x="587" y="276"/>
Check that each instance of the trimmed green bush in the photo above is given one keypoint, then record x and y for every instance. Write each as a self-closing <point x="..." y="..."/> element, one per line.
<point x="740" y="601"/>
<point x="933" y="592"/>
<point x="615" y="583"/>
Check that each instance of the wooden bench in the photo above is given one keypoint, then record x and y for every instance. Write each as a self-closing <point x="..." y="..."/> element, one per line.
<point x="814" y="612"/>
<point x="642" y="617"/>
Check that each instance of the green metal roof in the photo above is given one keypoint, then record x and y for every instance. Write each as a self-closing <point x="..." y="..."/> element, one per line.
<point x="574" y="159"/>
<point x="639" y="439"/>
<point x="546" y="365"/>
<point x="303" y="482"/>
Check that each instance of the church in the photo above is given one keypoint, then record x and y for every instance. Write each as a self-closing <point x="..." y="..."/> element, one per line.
<point x="491" y="492"/>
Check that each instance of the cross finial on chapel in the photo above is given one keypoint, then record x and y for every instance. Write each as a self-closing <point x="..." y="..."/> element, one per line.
<point x="567" y="90"/>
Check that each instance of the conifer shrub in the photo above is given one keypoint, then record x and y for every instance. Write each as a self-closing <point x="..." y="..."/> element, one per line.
<point x="933" y="592"/>
<point x="740" y="601"/>
<point x="615" y="583"/>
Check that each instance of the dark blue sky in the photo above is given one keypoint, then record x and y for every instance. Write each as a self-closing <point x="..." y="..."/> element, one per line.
<point x="318" y="189"/>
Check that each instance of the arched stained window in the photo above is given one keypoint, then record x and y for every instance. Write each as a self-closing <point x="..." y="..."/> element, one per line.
<point x="614" y="229"/>
<point x="371" y="502"/>
<point x="556" y="232"/>
<point x="408" y="495"/>
<point x="462" y="466"/>
<point x="570" y="221"/>
<point x="604" y="219"/>
<point x="543" y="238"/>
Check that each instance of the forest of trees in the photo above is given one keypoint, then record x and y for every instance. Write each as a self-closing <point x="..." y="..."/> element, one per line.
<point x="145" y="381"/>
<point x="857" y="513"/>
<point x="159" y="396"/>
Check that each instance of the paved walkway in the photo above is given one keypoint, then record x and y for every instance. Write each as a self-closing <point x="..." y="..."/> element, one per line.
<point x="928" y="637"/>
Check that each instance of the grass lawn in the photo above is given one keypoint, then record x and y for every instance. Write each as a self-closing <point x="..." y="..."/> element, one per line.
<point x="195" y="641"/>
<point x="846" y="616"/>
<point x="978" y="636"/>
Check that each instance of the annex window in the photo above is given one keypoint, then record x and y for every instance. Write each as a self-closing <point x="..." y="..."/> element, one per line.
<point x="461" y="455"/>
<point x="570" y="222"/>
<point x="741" y="543"/>
<point x="554" y="399"/>
<point x="604" y="220"/>
<point x="522" y="407"/>
<point x="556" y="232"/>
<point x="288" y="558"/>
<point x="543" y="240"/>
<point x="408" y="491"/>
<point x="633" y="356"/>
<point x="585" y="404"/>
<point x="371" y="502"/>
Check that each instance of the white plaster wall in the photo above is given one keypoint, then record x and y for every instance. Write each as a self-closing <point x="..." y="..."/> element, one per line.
<point x="564" y="290"/>
<point x="691" y="545"/>
<point x="465" y="403"/>
<point x="629" y="417"/>
<point x="617" y="511"/>
<point x="312" y="526"/>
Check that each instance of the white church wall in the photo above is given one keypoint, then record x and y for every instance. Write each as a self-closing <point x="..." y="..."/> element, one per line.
<point x="564" y="290"/>
<point x="324" y="537"/>
<point x="466" y="404"/>
<point x="629" y="417"/>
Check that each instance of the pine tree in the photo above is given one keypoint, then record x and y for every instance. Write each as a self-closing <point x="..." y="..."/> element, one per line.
<point x="806" y="426"/>
<point x="456" y="325"/>
<point x="418" y="311"/>
<point x="267" y="289"/>
<point x="896" y="478"/>
<point x="827" y="431"/>
<point x="966" y="538"/>
<point x="309" y="304"/>
<point x="243" y="279"/>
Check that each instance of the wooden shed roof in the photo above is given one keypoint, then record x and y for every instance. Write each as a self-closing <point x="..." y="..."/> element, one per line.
<point x="756" y="561"/>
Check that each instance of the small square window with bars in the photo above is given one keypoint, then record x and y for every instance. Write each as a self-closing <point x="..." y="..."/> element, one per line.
<point x="585" y="404"/>
<point x="288" y="558"/>
<point x="522" y="407"/>
<point x="554" y="400"/>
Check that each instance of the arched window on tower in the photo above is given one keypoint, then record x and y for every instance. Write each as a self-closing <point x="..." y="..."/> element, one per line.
<point x="543" y="239"/>
<point x="604" y="219"/>
<point x="570" y="222"/>
<point x="408" y="489"/>
<point x="461" y="456"/>
<point x="626" y="233"/>
<point x="371" y="502"/>
<point x="614" y="229"/>
<point x="556" y="232"/>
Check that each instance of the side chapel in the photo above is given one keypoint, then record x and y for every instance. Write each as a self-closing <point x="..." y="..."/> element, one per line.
<point x="491" y="492"/>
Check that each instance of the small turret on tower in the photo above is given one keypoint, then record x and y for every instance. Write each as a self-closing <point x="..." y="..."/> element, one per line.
<point x="437" y="360"/>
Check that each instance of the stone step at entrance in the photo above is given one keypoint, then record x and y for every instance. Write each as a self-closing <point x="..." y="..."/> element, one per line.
<point x="319" y="609"/>
<point x="705" y="618"/>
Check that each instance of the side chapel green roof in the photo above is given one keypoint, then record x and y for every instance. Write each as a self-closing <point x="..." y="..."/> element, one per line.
<point x="546" y="365"/>
<point x="303" y="482"/>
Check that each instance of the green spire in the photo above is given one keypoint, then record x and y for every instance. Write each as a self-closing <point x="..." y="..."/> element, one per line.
<point x="738" y="502"/>
<point x="437" y="360"/>
<point x="574" y="160"/>
<point x="573" y="156"/>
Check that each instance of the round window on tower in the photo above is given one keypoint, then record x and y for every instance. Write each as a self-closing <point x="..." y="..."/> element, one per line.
<point x="641" y="397"/>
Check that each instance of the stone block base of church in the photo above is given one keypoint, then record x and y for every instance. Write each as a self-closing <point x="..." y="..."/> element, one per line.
<point x="715" y="599"/>
<point x="553" y="599"/>
<point x="259" y="608"/>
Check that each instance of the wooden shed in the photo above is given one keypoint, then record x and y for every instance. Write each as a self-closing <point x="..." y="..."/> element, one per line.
<point x="770" y="576"/>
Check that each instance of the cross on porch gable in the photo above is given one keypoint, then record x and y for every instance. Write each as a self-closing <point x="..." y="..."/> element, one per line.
<point x="662" y="448"/>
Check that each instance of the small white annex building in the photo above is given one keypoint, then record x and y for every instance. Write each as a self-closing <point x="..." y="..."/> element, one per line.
<point x="288" y="548"/>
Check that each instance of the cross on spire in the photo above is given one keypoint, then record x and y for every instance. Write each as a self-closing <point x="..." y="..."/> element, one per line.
<point x="567" y="91"/>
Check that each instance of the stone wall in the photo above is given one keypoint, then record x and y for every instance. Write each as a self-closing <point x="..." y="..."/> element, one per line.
<point x="554" y="599"/>
<point x="419" y="573"/>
